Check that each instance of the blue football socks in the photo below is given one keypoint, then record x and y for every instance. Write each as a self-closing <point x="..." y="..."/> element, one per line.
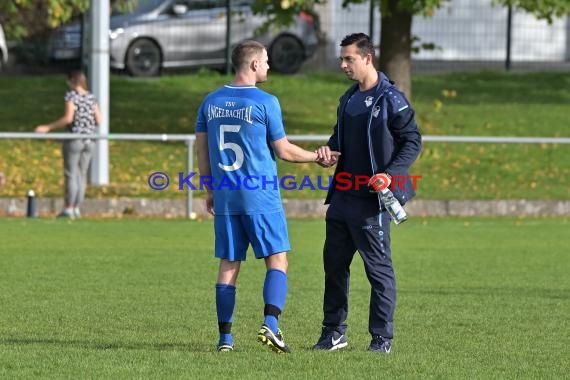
<point x="274" y="295"/>
<point x="225" y="302"/>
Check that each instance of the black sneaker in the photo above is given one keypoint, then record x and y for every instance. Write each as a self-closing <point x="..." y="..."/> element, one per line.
<point x="331" y="340"/>
<point x="273" y="341"/>
<point x="380" y="344"/>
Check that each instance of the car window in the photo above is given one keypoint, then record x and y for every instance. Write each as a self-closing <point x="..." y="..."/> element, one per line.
<point x="143" y="6"/>
<point x="196" y="5"/>
<point x="241" y="3"/>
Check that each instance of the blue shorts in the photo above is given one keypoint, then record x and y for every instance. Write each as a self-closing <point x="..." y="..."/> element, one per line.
<point x="267" y="234"/>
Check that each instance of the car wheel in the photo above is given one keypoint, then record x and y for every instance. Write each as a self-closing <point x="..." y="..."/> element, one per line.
<point x="286" y="54"/>
<point x="143" y="58"/>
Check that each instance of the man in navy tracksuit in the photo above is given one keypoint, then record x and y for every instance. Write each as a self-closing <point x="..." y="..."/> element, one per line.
<point x="376" y="134"/>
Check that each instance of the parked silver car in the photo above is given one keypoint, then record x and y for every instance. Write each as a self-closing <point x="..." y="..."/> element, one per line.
<point x="3" y="49"/>
<point x="189" y="33"/>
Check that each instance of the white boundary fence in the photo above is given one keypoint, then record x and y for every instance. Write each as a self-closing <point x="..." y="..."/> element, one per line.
<point x="190" y="139"/>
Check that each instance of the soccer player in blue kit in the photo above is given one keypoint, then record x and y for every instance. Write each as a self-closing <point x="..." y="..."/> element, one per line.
<point x="239" y="131"/>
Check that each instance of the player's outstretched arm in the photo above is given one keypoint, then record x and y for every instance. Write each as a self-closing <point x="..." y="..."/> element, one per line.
<point x="287" y="151"/>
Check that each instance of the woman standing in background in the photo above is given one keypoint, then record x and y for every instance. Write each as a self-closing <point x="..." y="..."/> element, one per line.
<point x="82" y="116"/>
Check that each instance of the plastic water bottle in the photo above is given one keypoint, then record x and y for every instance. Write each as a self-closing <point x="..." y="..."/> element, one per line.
<point x="393" y="207"/>
<point x="31" y="208"/>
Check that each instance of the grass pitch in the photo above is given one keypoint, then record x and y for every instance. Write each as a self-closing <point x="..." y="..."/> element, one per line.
<point x="477" y="298"/>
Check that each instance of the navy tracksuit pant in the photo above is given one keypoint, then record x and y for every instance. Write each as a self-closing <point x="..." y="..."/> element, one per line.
<point x="356" y="224"/>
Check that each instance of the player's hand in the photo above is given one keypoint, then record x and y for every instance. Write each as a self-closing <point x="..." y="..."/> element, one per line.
<point x="326" y="157"/>
<point x="210" y="204"/>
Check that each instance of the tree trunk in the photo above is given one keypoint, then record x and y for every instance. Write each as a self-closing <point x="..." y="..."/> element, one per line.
<point x="396" y="46"/>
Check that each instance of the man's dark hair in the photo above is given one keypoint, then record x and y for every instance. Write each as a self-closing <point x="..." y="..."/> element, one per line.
<point x="362" y="42"/>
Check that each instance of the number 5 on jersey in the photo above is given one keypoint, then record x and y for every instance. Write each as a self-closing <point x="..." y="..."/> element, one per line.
<point x="238" y="151"/>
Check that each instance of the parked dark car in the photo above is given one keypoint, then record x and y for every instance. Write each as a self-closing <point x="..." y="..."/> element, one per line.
<point x="189" y="33"/>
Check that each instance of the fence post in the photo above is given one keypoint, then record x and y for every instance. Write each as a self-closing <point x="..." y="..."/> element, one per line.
<point x="371" y="21"/>
<point x="190" y="168"/>
<point x="509" y="36"/>
<point x="228" y="37"/>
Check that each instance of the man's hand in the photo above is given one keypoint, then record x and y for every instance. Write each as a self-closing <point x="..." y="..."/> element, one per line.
<point x="326" y="157"/>
<point x="379" y="181"/>
<point x="210" y="203"/>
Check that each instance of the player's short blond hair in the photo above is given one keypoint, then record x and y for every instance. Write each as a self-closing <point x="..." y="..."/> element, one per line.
<point x="245" y="52"/>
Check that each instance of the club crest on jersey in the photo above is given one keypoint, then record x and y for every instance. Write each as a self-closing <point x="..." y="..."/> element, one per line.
<point x="376" y="111"/>
<point x="368" y="101"/>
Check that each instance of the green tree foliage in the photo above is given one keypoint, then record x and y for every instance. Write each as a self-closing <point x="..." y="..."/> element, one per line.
<point x="543" y="9"/>
<point x="28" y="18"/>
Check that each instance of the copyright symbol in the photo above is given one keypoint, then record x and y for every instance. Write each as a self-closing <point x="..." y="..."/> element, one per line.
<point x="158" y="181"/>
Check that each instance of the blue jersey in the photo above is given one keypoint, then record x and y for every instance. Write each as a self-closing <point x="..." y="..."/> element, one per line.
<point x="241" y="121"/>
